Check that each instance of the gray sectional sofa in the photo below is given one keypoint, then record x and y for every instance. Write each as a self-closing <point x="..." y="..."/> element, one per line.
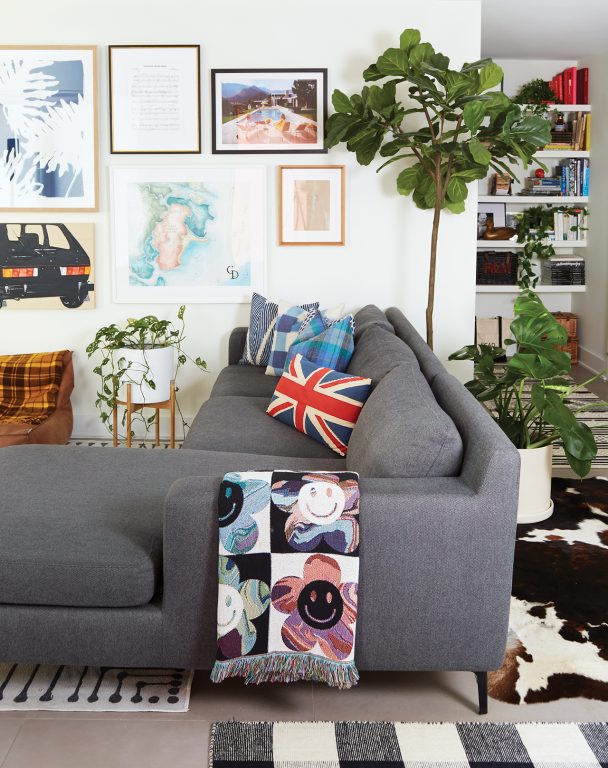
<point x="109" y="557"/>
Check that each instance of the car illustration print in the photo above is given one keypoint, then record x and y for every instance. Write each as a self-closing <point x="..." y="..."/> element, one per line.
<point x="41" y="261"/>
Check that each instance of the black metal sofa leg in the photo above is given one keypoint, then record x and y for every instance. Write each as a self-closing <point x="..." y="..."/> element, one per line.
<point x="482" y="691"/>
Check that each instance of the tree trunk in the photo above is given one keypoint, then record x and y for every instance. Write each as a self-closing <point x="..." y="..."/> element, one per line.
<point x="430" y="305"/>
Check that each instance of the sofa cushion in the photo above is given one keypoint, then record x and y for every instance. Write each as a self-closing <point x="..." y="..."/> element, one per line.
<point x="403" y="432"/>
<point x="319" y="402"/>
<point x="29" y="384"/>
<point x="370" y="315"/>
<point x="84" y="539"/>
<point x="241" y="424"/>
<point x="289" y="322"/>
<point x="332" y="347"/>
<point x="246" y="380"/>
<point x="377" y="352"/>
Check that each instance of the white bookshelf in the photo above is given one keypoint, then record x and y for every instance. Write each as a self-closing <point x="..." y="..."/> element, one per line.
<point x="490" y="245"/>
<point x="562" y="153"/>
<point x="539" y="289"/>
<point x="533" y="199"/>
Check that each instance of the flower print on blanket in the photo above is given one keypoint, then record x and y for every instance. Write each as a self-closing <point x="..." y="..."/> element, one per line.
<point x="241" y="496"/>
<point x="322" y="609"/>
<point x="288" y="577"/>
<point x="239" y="602"/>
<point x="320" y="512"/>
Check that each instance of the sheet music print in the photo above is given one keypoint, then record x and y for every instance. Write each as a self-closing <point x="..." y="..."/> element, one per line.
<point x="36" y="686"/>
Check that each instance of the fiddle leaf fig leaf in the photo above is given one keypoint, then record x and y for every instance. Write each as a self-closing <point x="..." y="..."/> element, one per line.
<point x="409" y="38"/>
<point x="421" y="53"/>
<point x="489" y="76"/>
<point x="457" y="190"/>
<point x="473" y="115"/>
<point x="394" y="62"/>
<point x="381" y="97"/>
<point x="341" y="101"/>
<point x="372" y="73"/>
<point x="407" y="180"/>
<point x="480" y="154"/>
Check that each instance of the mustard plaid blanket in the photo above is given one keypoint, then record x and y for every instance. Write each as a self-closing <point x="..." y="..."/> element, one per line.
<point x="29" y="385"/>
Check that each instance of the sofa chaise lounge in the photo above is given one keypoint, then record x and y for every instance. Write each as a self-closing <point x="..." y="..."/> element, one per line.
<point x="109" y="557"/>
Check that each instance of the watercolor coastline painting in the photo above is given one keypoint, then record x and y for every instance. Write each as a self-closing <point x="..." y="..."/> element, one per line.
<point x="188" y="234"/>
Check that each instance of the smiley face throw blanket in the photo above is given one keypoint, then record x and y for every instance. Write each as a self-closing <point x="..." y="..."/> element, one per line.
<point x="288" y="577"/>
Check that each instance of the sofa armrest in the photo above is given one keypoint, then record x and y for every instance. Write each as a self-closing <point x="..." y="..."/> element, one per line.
<point x="190" y="551"/>
<point x="236" y="345"/>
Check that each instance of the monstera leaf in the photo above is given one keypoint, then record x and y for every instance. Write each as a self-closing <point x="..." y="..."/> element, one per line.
<point x="25" y="91"/>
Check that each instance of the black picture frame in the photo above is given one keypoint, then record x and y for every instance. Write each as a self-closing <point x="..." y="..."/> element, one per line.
<point x="194" y="150"/>
<point x="294" y="144"/>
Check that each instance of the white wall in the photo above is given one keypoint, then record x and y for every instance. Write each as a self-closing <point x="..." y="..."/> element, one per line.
<point x="592" y="306"/>
<point x="386" y="256"/>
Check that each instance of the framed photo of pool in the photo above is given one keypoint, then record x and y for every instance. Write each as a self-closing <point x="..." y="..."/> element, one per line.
<point x="311" y="204"/>
<point x="188" y="233"/>
<point x="278" y="111"/>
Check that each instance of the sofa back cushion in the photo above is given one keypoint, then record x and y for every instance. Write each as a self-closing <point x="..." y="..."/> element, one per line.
<point x="378" y="351"/>
<point x="370" y="315"/>
<point x="403" y="432"/>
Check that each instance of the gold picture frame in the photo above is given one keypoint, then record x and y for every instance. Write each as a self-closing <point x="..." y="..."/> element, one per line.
<point x="311" y="201"/>
<point x="33" y="178"/>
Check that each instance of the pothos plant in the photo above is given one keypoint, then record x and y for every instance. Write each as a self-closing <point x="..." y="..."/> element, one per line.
<point x="529" y="398"/>
<point x="114" y="370"/>
<point x="467" y="128"/>
<point x="533" y="227"/>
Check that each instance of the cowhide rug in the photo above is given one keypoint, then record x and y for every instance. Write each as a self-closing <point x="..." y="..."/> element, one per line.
<point x="558" y="636"/>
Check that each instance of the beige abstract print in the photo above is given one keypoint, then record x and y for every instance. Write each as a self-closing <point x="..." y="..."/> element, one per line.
<point x="311" y="205"/>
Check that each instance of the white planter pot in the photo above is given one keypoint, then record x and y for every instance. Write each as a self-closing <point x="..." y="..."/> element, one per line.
<point x="157" y="364"/>
<point x="535" y="502"/>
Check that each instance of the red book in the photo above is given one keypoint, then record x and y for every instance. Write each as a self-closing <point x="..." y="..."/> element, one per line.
<point x="559" y="87"/>
<point x="570" y="85"/>
<point x="582" y="85"/>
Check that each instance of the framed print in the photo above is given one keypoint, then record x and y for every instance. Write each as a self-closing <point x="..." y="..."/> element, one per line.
<point x="48" y="128"/>
<point x="53" y="266"/>
<point x="188" y="234"/>
<point x="155" y="99"/>
<point x="494" y="211"/>
<point x="311" y="204"/>
<point x="268" y="110"/>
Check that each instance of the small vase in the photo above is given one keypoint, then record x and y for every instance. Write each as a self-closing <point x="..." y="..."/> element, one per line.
<point x="535" y="502"/>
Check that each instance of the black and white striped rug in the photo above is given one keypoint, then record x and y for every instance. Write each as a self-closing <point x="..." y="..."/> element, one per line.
<point x="93" y="689"/>
<point x="409" y="745"/>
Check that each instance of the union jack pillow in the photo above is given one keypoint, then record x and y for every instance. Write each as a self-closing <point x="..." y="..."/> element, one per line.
<point x="319" y="402"/>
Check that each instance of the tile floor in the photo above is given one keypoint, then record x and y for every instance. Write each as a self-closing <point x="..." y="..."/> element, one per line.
<point x="155" y="740"/>
<point x="92" y="740"/>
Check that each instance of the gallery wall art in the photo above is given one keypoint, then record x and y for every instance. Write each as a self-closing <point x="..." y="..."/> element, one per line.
<point x="48" y="128"/>
<point x="47" y="266"/>
<point x="155" y="99"/>
<point x="268" y="110"/>
<point x="188" y="234"/>
<point x="311" y="205"/>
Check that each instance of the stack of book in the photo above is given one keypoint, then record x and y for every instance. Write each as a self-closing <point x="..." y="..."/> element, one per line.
<point x="571" y="86"/>
<point x="570" y="225"/>
<point x="563" y="270"/>
<point x="577" y="135"/>
<point x="544" y="186"/>
<point x="573" y="174"/>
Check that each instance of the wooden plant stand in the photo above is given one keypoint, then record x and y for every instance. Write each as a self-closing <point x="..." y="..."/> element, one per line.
<point x="134" y="407"/>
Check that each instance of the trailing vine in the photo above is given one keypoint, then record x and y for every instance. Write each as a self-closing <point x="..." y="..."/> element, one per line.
<point x="145" y="333"/>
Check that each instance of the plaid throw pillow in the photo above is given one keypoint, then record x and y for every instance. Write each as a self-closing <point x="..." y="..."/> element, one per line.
<point x="319" y="402"/>
<point x="287" y="326"/>
<point x="333" y="347"/>
<point x="262" y="319"/>
<point x="29" y="385"/>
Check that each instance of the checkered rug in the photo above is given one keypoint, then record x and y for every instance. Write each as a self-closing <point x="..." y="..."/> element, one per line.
<point x="410" y="745"/>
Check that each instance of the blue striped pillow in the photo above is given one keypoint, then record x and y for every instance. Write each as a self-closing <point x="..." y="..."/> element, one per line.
<point x="262" y="319"/>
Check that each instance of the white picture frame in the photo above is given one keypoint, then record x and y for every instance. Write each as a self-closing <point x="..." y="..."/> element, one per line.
<point x="155" y="99"/>
<point x="189" y="234"/>
<point x="48" y="128"/>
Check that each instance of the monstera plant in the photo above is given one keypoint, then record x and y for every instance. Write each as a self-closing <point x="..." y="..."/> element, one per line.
<point x="529" y="398"/>
<point x="447" y="126"/>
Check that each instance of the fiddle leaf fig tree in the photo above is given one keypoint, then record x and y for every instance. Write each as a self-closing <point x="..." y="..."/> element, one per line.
<point x="449" y="130"/>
